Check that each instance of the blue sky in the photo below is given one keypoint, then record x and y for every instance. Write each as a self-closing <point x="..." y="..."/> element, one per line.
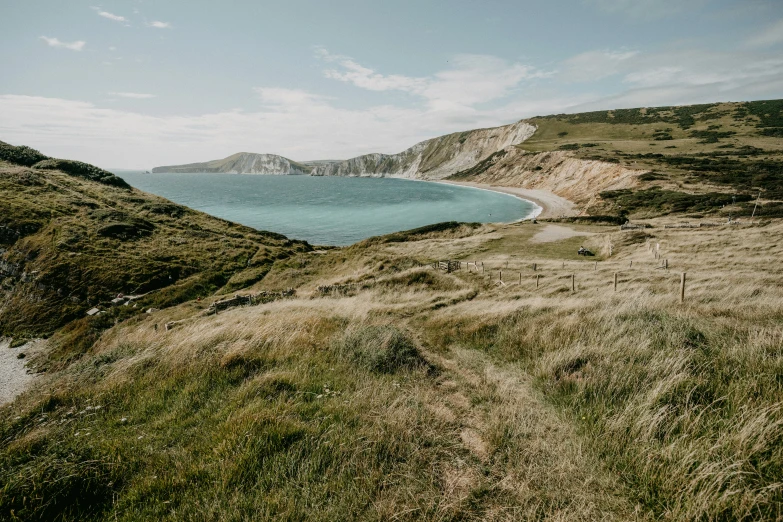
<point x="139" y="83"/>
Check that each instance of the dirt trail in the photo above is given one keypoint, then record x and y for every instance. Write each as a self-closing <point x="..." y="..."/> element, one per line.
<point x="552" y="233"/>
<point x="535" y="456"/>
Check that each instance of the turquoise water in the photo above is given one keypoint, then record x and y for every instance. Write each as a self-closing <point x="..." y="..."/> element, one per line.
<point x="330" y="210"/>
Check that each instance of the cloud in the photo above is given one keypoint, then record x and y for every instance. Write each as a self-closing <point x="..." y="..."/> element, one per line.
<point x="595" y="65"/>
<point x="471" y="79"/>
<point x="279" y="97"/>
<point x="767" y="37"/>
<point x="114" y="17"/>
<point x="73" y="46"/>
<point x="646" y="9"/>
<point x="133" y="95"/>
<point x="159" y="25"/>
<point x="291" y="122"/>
<point x="474" y="91"/>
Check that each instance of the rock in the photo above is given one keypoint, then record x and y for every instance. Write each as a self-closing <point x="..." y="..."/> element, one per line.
<point x="20" y="356"/>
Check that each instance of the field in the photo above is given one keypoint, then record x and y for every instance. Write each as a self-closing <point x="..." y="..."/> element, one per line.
<point x="408" y="393"/>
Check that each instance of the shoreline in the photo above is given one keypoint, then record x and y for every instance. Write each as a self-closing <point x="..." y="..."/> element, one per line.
<point x="550" y="205"/>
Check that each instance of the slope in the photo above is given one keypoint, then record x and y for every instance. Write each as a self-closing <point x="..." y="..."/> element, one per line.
<point x="243" y="163"/>
<point x="651" y="161"/>
<point x="72" y="237"/>
<point x="389" y="390"/>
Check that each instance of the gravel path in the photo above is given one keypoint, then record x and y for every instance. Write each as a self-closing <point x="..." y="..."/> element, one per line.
<point x="14" y="378"/>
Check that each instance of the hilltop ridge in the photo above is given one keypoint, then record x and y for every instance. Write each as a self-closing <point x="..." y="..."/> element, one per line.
<point x="435" y="158"/>
<point x="243" y="163"/>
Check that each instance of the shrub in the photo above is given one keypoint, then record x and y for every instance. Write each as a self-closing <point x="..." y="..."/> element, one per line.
<point x="382" y="349"/>
<point x="20" y="155"/>
<point x="83" y="170"/>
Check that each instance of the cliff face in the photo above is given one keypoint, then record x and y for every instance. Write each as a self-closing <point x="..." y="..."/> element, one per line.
<point x="243" y="163"/>
<point x="559" y="172"/>
<point x="433" y="159"/>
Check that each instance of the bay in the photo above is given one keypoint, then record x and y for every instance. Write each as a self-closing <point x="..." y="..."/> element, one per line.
<point x="330" y="210"/>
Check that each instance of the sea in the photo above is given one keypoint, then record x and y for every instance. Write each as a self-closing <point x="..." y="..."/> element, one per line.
<point x="329" y="210"/>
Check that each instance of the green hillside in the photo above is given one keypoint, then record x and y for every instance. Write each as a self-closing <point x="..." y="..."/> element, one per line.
<point x="730" y="148"/>
<point x="73" y="236"/>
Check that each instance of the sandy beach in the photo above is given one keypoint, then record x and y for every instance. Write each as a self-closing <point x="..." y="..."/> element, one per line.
<point x="552" y="205"/>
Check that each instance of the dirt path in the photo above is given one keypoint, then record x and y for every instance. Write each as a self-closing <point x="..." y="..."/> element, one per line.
<point x="14" y="378"/>
<point x="552" y="205"/>
<point x="551" y="233"/>
<point x="532" y="454"/>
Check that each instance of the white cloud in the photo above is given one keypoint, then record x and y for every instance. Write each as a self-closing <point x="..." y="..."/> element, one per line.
<point x="768" y="37"/>
<point x="133" y="95"/>
<point x="112" y="48"/>
<point x="278" y="97"/>
<point x="472" y="79"/>
<point x="646" y="8"/>
<point x="303" y="125"/>
<point x="114" y="17"/>
<point x="159" y="25"/>
<point x="595" y="65"/>
<point x="73" y="46"/>
<point x="293" y="123"/>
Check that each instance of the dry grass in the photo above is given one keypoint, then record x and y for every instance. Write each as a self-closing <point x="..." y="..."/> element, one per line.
<point x="532" y="403"/>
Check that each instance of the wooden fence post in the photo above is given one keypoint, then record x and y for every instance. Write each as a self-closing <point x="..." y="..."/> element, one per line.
<point x="573" y="283"/>
<point x="595" y="267"/>
<point x="630" y="265"/>
<point x="520" y="278"/>
<point x="537" y="276"/>
<point x="615" y="281"/>
<point x="500" y="276"/>
<point x="482" y="267"/>
<point x="682" y="287"/>
<point x="534" y="267"/>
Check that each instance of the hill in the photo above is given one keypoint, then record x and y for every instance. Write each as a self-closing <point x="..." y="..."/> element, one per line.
<point x="692" y="160"/>
<point x="387" y="389"/>
<point x="72" y="237"/>
<point x="523" y="382"/>
<point x="651" y="161"/>
<point x="243" y="163"/>
<point x="431" y="159"/>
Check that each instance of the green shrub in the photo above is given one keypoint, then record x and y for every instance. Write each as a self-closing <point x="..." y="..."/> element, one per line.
<point x="83" y="170"/>
<point x="382" y="349"/>
<point x="20" y="155"/>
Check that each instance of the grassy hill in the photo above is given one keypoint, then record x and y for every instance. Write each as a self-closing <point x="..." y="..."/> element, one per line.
<point x="730" y="148"/>
<point x="385" y="389"/>
<point x="72" y="237"/>
<point x="389" y="390"/>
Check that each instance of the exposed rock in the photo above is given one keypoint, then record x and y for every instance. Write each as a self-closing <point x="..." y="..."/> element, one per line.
<point x="432" y="159"/>
<point x="436" y="158"/>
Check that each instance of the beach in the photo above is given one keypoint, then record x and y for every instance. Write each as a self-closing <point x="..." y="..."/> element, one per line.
<point x="552" y="205"/>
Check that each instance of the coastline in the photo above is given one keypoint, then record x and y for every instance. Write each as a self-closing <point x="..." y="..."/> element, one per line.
<point x="551" y="205"/>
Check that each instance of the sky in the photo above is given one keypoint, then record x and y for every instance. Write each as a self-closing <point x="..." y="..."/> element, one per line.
<point x="143" y="83"/>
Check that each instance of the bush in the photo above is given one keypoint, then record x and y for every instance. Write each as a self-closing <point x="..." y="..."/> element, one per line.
<point x="83" y="170"/>
<point x="382" y="349"/>
<point x="20" y="155"/>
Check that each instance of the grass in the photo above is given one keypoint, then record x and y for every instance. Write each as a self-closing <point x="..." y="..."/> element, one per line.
<point x="75" y="242"/>
<point x="701" y="152"/>
<point x="425" y="395"/>
<point x="415" y="394"/>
